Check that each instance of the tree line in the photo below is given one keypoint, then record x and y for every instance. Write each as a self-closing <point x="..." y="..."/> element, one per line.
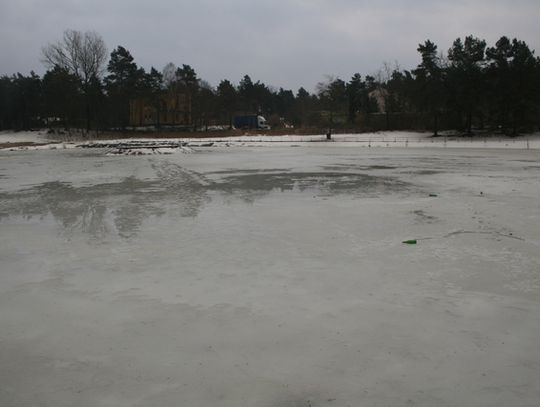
<point x="471" y="86"/>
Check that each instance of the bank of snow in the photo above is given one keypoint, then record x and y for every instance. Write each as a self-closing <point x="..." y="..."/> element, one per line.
<point x="37" y="137"/>
<point x="36" y="140"/>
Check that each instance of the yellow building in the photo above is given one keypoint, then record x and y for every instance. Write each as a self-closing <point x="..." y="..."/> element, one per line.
<point x="171" y="109"/>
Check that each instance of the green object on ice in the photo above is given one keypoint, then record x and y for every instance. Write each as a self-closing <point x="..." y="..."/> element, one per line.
<point x="412" y="241"/>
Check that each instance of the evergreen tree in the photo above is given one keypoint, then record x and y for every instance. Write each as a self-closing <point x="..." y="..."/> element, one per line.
<point x="431" y="95"/>
<point x="399" y="87"/>
<point x="284" y="103"/>
<point x="333" y="96"/>
<point x="246" y="89"/>
<point x="124" y="82"/>
<point x="152" y="89"/>
<point x="204" y="104"/>
<point x="466" y="77"/>
<point x="62" y="97"/>
<point x="302" y="105"/>
<point x="186" y="79"/>
<point x="20" y="101"/>
<point x="513" y="76"/>
<point x="227" y="100"/>
<point x="187" y="82"/>
<point x="256" y="97"/>
<point x="356" y="92"/>
<point x="96" y="108"/>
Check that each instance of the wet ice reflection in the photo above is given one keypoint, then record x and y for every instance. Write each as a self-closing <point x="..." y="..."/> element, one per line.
<point x="324" y="182"/>
<point x="121" y="207"/>
<point x="99" y="209"/>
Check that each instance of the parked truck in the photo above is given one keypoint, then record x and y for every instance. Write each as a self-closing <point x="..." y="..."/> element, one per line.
<point x="251" y="121"/>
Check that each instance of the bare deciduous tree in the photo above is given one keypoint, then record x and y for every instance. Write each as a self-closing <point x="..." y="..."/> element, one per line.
<point x="169" y="75"/>
<point x="82" y="54"/>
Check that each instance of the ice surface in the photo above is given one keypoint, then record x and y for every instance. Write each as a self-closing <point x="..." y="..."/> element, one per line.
<point x="270" y="277"/>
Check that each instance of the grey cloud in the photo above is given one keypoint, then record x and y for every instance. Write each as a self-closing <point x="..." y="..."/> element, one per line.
<point x="287" y="43"/>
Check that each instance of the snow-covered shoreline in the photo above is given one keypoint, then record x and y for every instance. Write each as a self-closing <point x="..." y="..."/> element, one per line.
<point x="40" y="140"/>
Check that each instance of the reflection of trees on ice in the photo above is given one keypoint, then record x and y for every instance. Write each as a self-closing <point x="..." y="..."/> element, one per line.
<point x="121" y="207"/>
<point x="102" y="209"/>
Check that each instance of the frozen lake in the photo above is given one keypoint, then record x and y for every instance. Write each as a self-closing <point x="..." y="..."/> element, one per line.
<point x="270" y="277"/>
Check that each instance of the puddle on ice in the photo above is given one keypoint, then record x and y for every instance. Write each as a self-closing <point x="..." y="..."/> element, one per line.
<point x="323" y="182"/>
<point x="122" y="206"/>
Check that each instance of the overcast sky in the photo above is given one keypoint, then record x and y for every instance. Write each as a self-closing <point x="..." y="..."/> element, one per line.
<point x="283" y="43"/>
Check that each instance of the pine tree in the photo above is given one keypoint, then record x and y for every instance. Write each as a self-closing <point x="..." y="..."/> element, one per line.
<point x="513" y="76"/>
<point x="123" y="83"/>
<point x="227" y="99"/>
<point x="431" y="95"/>
<point x="356" y="90"/>
<point x="466" y="77"/>
<point x="62" y="97"/>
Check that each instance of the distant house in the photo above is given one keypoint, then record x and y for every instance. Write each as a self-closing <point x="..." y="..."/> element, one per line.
<point x="169" y="109"/>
